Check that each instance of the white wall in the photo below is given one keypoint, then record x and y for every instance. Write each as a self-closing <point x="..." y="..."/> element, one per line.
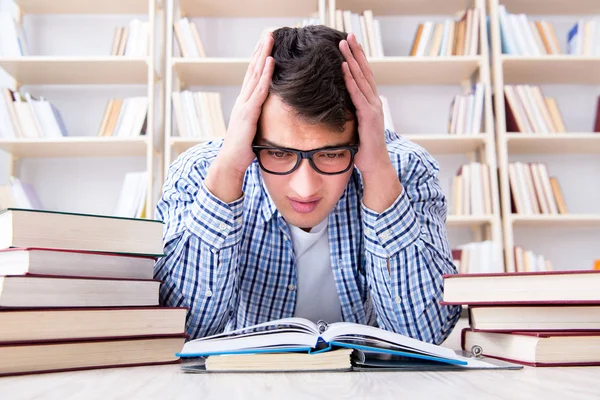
<point x="92" y="184"/>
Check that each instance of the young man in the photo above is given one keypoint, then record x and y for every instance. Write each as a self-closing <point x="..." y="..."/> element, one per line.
<point x="308" y="207"/>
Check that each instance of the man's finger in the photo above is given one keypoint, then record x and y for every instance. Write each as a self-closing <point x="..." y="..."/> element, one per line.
<point x="257" y="70"/>
<point x="261" y="91"/>
<point x="361" y="58"/>
<point x="356" y="71"/>
<point x="357" y="96"/>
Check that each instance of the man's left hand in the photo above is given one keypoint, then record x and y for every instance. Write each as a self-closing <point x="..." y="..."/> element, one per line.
<point x="380" y="179"/>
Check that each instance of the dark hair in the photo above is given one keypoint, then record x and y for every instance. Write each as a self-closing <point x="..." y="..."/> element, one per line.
<point x="308" y="75"/>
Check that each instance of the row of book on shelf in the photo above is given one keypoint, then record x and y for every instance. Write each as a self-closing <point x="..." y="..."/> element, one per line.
<point x="466" y="112"/>
<point x="26" y="117"/>
<point x="534" y="191"/>
<point x="520" y="36"/>
<point x="77" y="292"/>
<point x="471" y="190"/>
<point x="538" y="318"/>
<point x="450" y="38"/>
<point x="485" y="257"/>
<point x="131" y="202"/>
<point x="132" y="40"/>
<point x="529" y="111"/>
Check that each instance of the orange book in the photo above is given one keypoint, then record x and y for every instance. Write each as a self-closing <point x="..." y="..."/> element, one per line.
<point x="415" y="45"/>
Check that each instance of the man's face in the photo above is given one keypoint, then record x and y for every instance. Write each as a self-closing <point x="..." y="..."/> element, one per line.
<point x="305" y="197"/>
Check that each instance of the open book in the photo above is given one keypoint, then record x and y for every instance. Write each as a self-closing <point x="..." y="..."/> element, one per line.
<point x="278" y="346"/>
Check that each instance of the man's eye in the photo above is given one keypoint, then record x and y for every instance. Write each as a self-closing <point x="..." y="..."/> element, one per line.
<point x="279" y="154"/>
<point x="338" y="154"/>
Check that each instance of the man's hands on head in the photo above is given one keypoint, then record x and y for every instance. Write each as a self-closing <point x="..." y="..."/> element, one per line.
<point x="226" y="175"/>
<point x="380" y="178"/>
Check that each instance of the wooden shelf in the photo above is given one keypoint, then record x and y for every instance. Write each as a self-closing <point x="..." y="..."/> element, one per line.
<point x="448" y="144"/>
<point x="249" y="9"/>
<point x="83" y="6"/>
<point x="433" y="143"/>
<point x="565" y="220"/>
<point x="37" y="70"/>
<point x="404" y="7"/>
<point x="559" y="69"/>
<point x="462" y="221"/>
<point x="387" y="70"/>
<point x="76" y="146"/>
<point x="181" y="144"/>
<point x="537" y="143"/>
<point x="548" y="7"/>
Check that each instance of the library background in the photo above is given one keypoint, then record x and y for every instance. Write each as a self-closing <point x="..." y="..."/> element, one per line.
<point x="98" y="98"/>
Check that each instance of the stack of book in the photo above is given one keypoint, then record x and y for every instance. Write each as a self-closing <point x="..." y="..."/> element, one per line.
<point x="466" y="112"/>
<point x="478" y="257"/>
<point x="527" y="110"/>
<point x="365" y="27"/>
<point x="199" y="114"/>
<point x="529" y="261"/>
<point x="471" y="190"/>
<point x="535" y="318"/>
<point x="23" y="116"/>
<point x="583" y="38"/>
<point x="451" y="38"/>
<point x="526" y="38"/>
<point x="125" y="117"/>
<point x="77" y="292"/>
<point x="188" y="38"/>
<point x="132" y="40"/>
<point x="533" y="191"/>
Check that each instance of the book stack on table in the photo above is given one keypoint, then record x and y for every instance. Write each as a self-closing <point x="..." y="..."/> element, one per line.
<point x="77" y="292"/>
<point x="533" y="318"/>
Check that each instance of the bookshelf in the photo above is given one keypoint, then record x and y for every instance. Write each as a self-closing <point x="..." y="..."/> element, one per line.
<point x="391" y="71"/>
<point x="92" y="71"/>
<point x="552" y="70"/>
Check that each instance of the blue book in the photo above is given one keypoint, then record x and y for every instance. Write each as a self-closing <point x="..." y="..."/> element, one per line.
<point x="297" y="344"/>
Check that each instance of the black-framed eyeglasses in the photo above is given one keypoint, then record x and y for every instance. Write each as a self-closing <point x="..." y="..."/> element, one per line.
<point x="326" y="161"/>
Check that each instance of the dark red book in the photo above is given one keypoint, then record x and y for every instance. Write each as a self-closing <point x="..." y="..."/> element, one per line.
<point x="538" y="349"/>
<point x="78" y="354"/>
<point x="548" y="287"/>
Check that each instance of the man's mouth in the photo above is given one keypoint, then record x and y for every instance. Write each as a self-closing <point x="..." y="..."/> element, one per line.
<point x="304" y="206"/>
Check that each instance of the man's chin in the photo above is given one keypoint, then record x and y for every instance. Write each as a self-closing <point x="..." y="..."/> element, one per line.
<point x="304" y="220"/>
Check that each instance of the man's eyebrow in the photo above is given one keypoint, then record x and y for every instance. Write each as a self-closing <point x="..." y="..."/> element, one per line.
<point x="270" y="143"/>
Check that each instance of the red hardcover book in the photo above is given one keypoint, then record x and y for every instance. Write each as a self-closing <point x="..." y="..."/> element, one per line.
<point x="597" y="123"/>
<point x="548" y="287"/>
<point x="538" y="349"/>
<point x="77" y="354"/>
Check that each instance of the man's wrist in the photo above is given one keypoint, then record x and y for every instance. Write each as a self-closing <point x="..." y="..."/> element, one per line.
<point x="223" y="181"/>
<point x="381" y="188"/>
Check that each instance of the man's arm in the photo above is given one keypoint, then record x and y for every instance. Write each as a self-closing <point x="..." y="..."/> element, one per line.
<point x="407" y="254"/>
<point x="202" y="207"/>
<point x="406" y="245"/>
<point x="201" y="241"/>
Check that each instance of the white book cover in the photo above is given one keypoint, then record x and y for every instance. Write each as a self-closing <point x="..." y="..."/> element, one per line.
<point x="6" y="128"/>
<point x="188" y="39"/>
<point x="478" y="112"/>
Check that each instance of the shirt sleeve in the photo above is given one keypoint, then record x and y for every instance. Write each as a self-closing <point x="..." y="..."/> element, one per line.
<point x="201" y="240"/>
<point x="407" y="254"/>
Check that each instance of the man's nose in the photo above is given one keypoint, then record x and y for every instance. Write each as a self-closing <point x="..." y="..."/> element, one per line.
<point x="305" y="181"/>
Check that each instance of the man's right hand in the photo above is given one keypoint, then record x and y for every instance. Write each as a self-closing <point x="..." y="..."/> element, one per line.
<point x="226" y="174"/>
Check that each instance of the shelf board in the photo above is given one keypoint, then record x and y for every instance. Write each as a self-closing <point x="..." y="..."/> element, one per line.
<point x="448" y="144"/>
<point x="387" y="70"/>
<point x="38" y="70"/>
<point x="83" y="6"/>
<point x="461" y="221"/>
<point x="181" y="144"/>
<point x="433" y="143"/>
<point x="538" y="143"/>
<point x="559" y="69"/>
<point x="549" y="7"/>
<point x="564" y="220"/>
<point x="76" y="146"/>
<point x="404" y="7"/>
<point x="255" y="8"/>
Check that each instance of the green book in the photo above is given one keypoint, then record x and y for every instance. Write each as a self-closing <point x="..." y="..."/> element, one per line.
<point x="26" y="228"/>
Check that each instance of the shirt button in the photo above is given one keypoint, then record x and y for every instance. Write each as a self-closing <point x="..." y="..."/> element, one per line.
<point x="222" y="226"/>
<point x="398" y="299"/>
<point x="291" y="287"/>
<point x="239" y="220"/>
<point x="208" y="293"/>
<point x="384" y="235"/>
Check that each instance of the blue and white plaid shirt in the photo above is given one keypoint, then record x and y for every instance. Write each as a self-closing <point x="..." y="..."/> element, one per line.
<point x="233" y="264"/>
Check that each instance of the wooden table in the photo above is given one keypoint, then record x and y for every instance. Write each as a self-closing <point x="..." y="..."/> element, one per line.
<point x="168" y="382"/>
